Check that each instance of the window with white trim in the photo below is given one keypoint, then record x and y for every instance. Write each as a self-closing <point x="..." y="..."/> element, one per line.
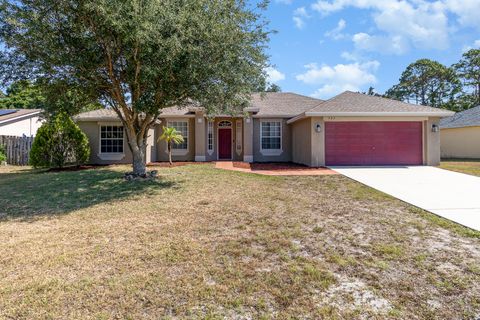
<point x="210" y="137"/>
<point x="271" y="135"/>
<point x="182" y="128"/>
<point x="111" y="139"/>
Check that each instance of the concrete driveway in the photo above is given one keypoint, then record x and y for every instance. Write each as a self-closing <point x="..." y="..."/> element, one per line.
<point x="454" y="196"/>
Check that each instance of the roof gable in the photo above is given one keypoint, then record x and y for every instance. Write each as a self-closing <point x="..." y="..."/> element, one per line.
<point x="354" y="102"/>
<point x="285" y="104"/>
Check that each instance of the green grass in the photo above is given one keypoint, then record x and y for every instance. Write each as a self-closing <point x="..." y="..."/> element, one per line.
<point x="211" y="244"/>
<point x="467" y="166"/>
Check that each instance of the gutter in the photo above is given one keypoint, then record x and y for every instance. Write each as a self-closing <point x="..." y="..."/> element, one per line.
<point x="380" y="114"/>
<point x="442" y="114"/>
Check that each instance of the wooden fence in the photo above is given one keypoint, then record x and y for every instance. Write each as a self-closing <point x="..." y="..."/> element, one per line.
<point x="17" y="148"/>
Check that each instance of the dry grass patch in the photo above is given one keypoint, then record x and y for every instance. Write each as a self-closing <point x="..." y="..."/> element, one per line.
<point x="207" y="243"/>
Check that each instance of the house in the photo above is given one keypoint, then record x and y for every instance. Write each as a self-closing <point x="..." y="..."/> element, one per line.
<point x="20" y="122"/>
<point x="349" y="129"/>
<point x="460" y="135"/>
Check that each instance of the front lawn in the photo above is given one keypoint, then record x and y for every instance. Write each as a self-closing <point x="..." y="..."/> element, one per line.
<point x="464" y="166"/>
<point x="206" y="243"/>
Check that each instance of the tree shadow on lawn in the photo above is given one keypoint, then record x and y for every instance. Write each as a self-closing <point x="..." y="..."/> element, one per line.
<point x="28" y="195"/>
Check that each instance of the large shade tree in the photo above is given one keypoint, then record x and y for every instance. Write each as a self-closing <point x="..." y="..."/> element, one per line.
<point x="139" y="56"/>
<point x="427" y="82"/>
<point x="468" y="70"/>
<point x="23" y="95"/>
<point x="52" y="98"/>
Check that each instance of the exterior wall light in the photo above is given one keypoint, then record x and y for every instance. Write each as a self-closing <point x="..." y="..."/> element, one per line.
<point x="318" y="127"/>
<point x="435" y="128"/>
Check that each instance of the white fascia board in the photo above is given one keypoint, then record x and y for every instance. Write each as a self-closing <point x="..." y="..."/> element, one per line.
<point x="380" y="114"/>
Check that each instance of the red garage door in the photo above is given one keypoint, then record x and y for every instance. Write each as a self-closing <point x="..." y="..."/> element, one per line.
<point x="373" y="143"/>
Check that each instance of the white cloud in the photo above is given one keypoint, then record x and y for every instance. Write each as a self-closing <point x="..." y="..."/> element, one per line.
<point x="336" y="33"/>
<point x="299" y="23"/>
<point x="475" y="45"/>
<point x="391" y="45"/>
<point x="338" y="78"/>
<point x="467" y="11"/>
<point x="418" y="23"/>
<point x="349" y="56"/>
<point x="273" y="75"/>
<point x="299" y="16"/>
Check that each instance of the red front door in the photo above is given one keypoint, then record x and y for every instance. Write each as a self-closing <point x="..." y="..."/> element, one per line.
<point x="224" y="144"/>
<point x="373" y="143"/>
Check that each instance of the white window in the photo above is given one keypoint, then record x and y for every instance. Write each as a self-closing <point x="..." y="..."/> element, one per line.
<point x="271" y="135"/>
<point x="111" y="139"/>
<point x="182" y="128"/>
<point x="210" y="137"/>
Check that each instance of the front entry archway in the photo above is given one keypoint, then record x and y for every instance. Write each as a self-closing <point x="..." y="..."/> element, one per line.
<point x="225" y="140"/>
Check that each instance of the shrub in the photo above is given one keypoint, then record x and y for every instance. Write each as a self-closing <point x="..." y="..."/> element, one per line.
<point x="59" y="142"/>
<point x="3" y="154"/>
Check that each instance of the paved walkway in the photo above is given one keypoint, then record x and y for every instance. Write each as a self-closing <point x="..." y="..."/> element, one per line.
<point x="452" y="195"/>
<point x="273" y="169"/>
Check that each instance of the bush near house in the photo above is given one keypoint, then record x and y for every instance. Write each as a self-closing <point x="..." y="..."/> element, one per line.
<point x="59" y="142"/>
<point x="3" y="154"/>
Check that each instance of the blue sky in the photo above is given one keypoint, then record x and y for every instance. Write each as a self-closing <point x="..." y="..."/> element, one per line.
<point x="324" y="47"/>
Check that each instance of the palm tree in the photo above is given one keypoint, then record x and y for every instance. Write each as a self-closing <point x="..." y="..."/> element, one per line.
<point x="171" y="135"/>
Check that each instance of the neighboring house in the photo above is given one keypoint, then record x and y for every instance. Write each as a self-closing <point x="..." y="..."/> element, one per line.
<point x="349" y="129"/>
<point x="460" y="135"/>
<point x="20" y="122"/>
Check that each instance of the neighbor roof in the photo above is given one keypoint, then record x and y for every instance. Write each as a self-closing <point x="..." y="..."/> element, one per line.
<point x="12" y="114"/>
<point x="358" y="104"/>
<point x="467" y="118"/>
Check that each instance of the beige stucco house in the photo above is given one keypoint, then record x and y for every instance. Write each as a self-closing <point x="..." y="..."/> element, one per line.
<point x="460" y="135"/>
<point x="349" y="129"/>
<point x="20" y="122"/>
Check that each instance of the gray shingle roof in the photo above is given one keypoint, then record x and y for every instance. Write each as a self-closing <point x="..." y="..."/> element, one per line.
<point x="354" y="102"/>
<point x="110" y="115"/>
<point x="95" y="115"/>
<point x="284" y="104"/>
<point x="467" y="118"/>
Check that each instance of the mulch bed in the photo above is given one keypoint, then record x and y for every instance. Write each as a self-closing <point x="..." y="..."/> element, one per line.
<point x="175" y="164"/>
<point x="77" y="168"/>
<point x="271" y="166"/>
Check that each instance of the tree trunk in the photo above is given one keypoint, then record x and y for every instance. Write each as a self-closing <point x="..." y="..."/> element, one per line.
<point x="138" y="146"/>
<point x="170" y="152"/>
<point x="139" y="161"/>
